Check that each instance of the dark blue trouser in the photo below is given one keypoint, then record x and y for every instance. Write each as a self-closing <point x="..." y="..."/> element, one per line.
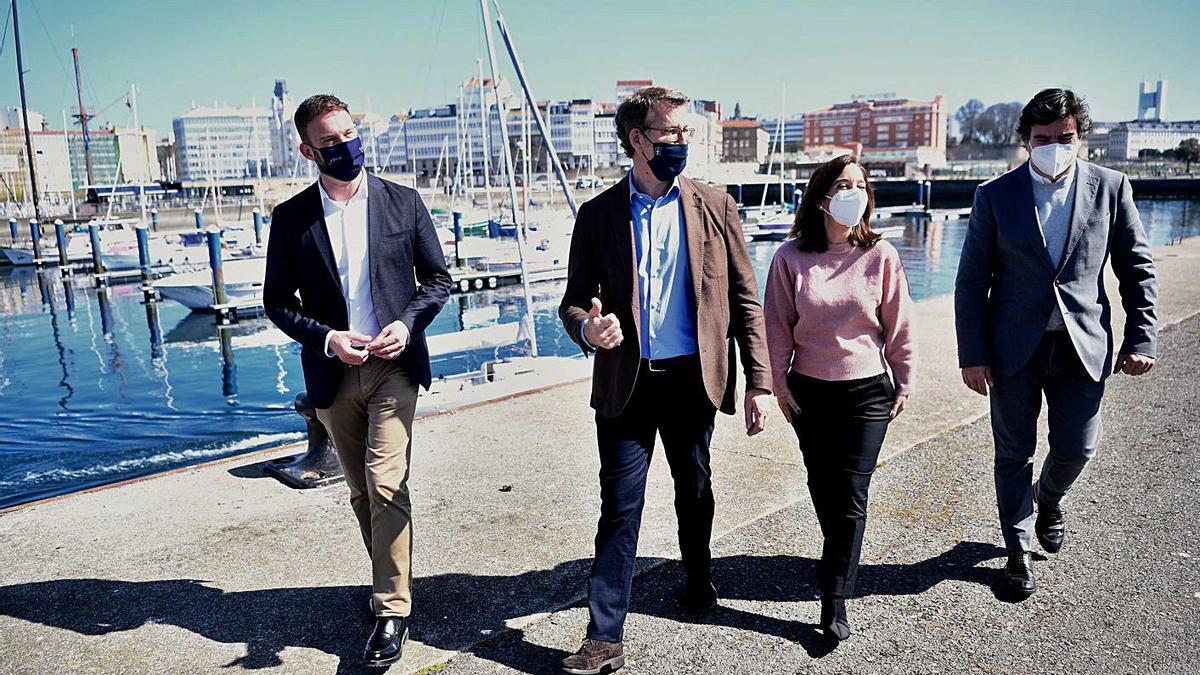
<point x="675" y="405"/>
<point x="1073" y="403"/>
<point x="841" y="427"/>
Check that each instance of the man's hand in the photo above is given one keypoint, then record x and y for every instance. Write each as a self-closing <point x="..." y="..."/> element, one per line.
<point x="898" y="406"/>
<point x="349" y="346"/>
<point x="602" y="332"/>
<point x="787" y="405"/>
<point x="390" y="342"/>
<point x="978" y="378"/>
<point x="1133" y="364"/>
<point x="756" y="410"/>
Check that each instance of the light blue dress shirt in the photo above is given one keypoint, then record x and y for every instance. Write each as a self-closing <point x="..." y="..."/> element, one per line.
<point x="664" y="280"/>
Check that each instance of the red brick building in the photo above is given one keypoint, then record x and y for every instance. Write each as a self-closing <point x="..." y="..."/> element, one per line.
<point x="891" y="124"/>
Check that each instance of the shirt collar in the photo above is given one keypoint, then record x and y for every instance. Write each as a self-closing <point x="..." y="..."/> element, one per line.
<point x="1039" y="178"/>
<point x="635" y="193"/>
<point x="329" y="203"/>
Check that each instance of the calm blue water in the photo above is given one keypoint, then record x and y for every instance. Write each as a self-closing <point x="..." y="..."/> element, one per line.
<point x="97" y="387"/>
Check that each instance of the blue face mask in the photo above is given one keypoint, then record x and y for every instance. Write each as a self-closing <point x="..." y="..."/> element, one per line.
<point x="343" y="161"/>
<point x="668" y="160"/>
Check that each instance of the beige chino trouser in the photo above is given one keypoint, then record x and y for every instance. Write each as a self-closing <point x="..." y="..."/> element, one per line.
<point x="370" y="423"/>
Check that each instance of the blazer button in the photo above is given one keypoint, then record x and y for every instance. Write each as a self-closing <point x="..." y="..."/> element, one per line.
<point x="1057" y="282"/>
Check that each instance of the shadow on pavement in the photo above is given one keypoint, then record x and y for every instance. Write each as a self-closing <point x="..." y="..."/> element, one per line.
<point x="455" y="611"/>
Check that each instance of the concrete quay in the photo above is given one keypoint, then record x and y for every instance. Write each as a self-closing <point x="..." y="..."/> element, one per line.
<point x="217" y="568"/>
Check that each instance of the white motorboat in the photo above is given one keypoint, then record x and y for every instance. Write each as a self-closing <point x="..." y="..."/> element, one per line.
<point x="243" y="285"/>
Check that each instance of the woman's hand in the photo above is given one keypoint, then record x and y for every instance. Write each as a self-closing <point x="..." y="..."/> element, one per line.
<point x="787" y="405"/>
<point x="898" y="406"/>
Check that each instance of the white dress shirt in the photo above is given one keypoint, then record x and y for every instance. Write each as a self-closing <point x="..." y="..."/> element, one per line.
<point x="347" y="227"/>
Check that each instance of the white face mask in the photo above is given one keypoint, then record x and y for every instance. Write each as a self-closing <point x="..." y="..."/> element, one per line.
<point x="1055" y="158"/>
<point x="848" y="206"/>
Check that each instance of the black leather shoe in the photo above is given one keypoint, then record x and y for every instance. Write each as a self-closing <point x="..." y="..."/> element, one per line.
<point x="833" y="619"/>
<point x="699" y="595"/>
<point x="1018" y="574"/>
<point x="386" y="645"/>
<point x="1050" y="528"/>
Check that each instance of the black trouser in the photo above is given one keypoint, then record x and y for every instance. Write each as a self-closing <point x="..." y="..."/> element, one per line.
<point x="673" y="404"/>
<point x="841" y="427"/>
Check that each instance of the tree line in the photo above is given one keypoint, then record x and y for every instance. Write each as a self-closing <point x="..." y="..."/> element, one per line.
<point x="995" y="124"/>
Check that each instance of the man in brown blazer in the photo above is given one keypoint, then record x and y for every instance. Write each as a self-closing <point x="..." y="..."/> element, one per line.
<point x="659" y="286"/>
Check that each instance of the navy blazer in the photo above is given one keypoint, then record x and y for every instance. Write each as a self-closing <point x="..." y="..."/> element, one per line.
<point x="302" y="292"/>
<point x="1007" y="286"/>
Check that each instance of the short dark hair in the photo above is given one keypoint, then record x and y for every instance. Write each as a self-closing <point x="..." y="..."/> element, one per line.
<point x="1052" y="105"/>
<point x="633" y="111"/>
<point x="809" y="227"/>
<point x="313" y="107"/>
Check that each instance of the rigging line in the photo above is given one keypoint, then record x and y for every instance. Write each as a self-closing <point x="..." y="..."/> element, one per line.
<point x="57" y="53"/>
<point x="49" y="37"/>
<point x="4" y="37"/>
<point x="437" y="36"/>
<point x="103" y="110"/>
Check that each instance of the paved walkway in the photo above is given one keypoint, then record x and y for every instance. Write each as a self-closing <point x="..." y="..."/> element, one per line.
<point x="217" y="567"/>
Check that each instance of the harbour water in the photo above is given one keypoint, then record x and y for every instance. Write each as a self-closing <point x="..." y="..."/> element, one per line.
<point x="96" y="386"/>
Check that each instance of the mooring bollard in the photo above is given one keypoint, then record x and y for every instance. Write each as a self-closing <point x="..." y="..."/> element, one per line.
<point x="97" y="251"/>
<point x="218" y="273"/>
<point x="258" y="225"/>
<point x="928" y="195"/>
<point x="12" y="230"/>
<point x="199" y="219"/>
<point x="920" y="192"/>
<point x="35" y="232"/>
<point x="316" y="467"/>
<point x="459" y="261"/>
<point x="154" y="220"/>
<point x="143" y="243"/>
<point x="60" y="238"/>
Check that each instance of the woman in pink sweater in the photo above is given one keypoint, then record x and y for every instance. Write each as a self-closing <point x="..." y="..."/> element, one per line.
<point x="837" y="312"/>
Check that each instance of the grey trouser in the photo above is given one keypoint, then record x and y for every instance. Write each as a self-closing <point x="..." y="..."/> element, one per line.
<point x="1073" y="406"/>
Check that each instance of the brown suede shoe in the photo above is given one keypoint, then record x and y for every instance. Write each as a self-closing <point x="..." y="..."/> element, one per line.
<point x="595" y="657"/>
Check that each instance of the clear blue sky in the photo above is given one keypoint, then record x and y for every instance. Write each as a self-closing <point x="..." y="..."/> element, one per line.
<point x="413" y="53"/>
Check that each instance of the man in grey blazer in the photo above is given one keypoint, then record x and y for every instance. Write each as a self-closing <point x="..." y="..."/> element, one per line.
<point x="1033" y="318"/>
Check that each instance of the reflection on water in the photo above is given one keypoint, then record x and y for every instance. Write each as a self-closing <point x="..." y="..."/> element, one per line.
<point x="98" y="386"/>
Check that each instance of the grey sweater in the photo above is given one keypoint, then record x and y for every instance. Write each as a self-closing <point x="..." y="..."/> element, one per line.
<point x="1054" y="203"/>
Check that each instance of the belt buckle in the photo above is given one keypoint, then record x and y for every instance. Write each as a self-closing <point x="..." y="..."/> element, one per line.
<point x="650" y="365"/>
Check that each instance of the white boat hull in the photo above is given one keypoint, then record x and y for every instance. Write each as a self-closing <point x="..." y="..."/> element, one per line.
<point x="243" y="285"/>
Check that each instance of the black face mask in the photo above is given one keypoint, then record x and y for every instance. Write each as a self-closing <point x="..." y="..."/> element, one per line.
<point x="668" y="159"/>
<point x="343" y="161"/>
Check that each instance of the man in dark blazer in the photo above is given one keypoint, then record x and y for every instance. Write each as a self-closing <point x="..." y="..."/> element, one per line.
<point x="1033" y="318"/>
<point x="340" y="281"/>
<point x="659" y="286"/>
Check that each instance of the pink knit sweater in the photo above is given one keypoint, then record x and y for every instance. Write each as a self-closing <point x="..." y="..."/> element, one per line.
<point x="839" y="315"/>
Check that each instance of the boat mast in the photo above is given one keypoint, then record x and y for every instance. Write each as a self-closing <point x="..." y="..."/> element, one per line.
<point x="485" y="120"/>
<point x="537" y="115"/>
<point x="83" y="116"/>
<point x="776" y="146"/>
<point x="37" y="211"/>
<point x="510" y="175"/>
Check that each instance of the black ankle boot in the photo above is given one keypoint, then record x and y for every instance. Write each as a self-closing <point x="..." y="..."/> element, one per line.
<point x="833" y="619"/>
